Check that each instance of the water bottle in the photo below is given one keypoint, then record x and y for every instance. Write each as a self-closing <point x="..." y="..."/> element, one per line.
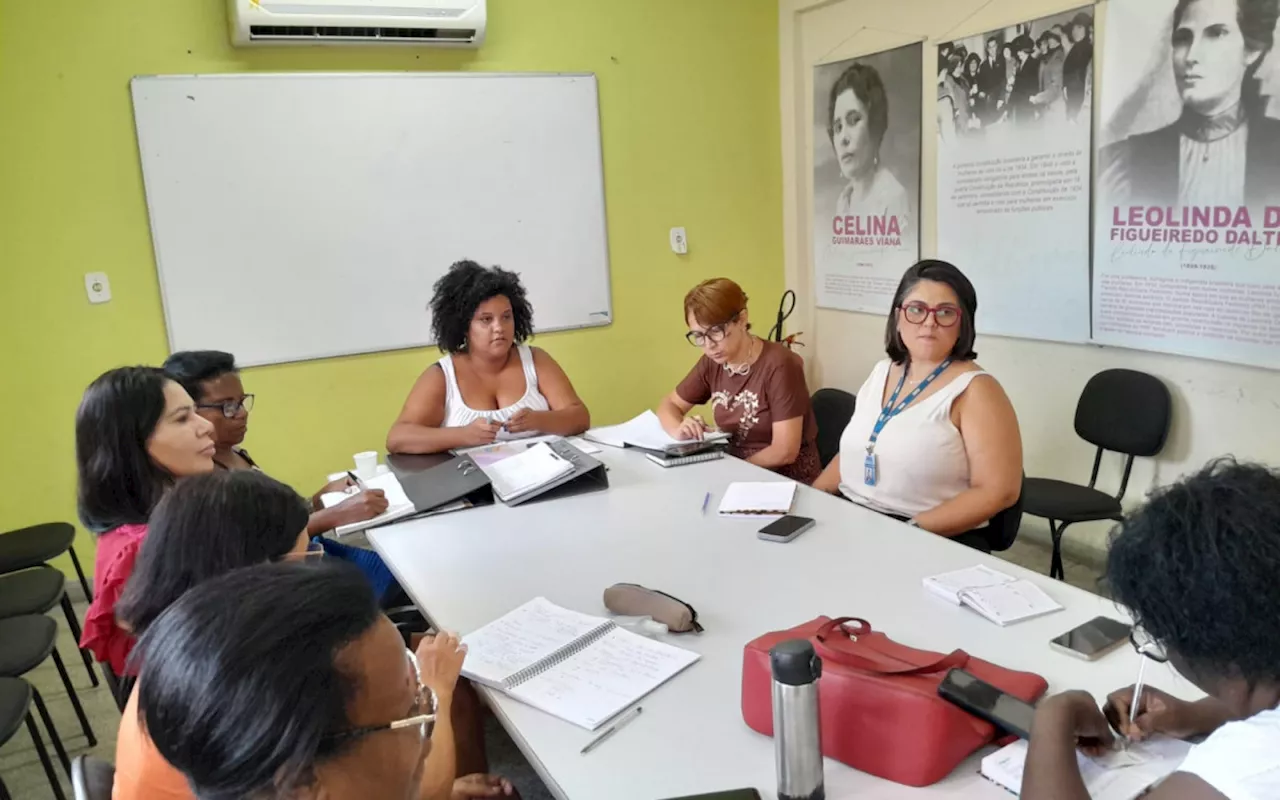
<point x="797" y="740"/>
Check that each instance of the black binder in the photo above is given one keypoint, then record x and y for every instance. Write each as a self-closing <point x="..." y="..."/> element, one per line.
<point x="440" y="479"/>
<point x="588" y="475"/>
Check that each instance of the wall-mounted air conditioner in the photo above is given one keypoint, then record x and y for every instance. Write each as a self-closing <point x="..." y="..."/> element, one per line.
<point x="451" y="23"/>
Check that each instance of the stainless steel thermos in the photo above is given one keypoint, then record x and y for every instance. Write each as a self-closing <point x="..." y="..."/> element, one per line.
<point x="797" y="738"/>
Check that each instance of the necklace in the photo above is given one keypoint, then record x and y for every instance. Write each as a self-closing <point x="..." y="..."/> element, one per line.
<point x="743" y="369"/>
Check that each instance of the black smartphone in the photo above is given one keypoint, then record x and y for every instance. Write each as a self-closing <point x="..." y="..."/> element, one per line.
<point x="784" y="529"/>
<point x="987" y="702"/>
<point x="735" y="794"/>
<point x="1094" y="639"/>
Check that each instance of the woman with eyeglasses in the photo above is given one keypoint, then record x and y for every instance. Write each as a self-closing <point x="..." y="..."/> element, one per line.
<point x="489" y="384"/>
<point x="934" y="440"/>
<point x="212" y="379"/>
<point x="205" y="527"/>
<point x="251" y="689"/>
<point x="136" y="433"/>
<point x="756" y="388"/>
<point x="1196" y="568"/>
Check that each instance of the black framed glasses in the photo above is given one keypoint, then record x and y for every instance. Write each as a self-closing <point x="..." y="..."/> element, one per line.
<point x="230" y="408"/>
<point x="946" y="315"/>
<point x="715" y="334"/>
<point x="1147" y="646"/>
<point x="422" y="716"/>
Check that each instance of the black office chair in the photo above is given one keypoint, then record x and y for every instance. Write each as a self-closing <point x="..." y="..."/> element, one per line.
<point x="28" y="641"/>
<point x="16" y="697"/>
<point x="38" y="591"/>
<point x="92" y="778"/>
<point x="1002" y="530"/>
<point x="37" y="544"/>
<point x="1122" y="411"/>
<point x="832" y="408"/>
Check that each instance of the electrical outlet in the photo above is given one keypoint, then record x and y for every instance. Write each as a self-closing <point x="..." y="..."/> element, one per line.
<point x="97" y="287"/>
<point x="679" y="242"/>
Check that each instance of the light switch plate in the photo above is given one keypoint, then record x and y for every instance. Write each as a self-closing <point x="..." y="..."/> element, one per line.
<point x="97" y="287"/>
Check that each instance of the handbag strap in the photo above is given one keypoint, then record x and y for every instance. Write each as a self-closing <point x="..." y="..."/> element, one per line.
<point x="838" y="649"/>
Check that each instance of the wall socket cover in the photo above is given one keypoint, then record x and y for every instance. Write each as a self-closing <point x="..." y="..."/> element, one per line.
<point x="679" y="242"/>
<point x="97" y="287"/>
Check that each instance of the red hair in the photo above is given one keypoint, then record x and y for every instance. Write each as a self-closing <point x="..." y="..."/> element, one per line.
<point x="715" y="302"/>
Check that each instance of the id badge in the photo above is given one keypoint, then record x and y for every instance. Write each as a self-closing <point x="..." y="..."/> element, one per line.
<point x="869" y="470"/>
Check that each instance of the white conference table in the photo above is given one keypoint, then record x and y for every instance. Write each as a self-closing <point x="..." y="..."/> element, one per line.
<point x="465" y="569"/>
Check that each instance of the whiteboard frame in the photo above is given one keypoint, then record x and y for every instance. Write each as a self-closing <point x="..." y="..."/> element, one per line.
<point x="138" y="81"/>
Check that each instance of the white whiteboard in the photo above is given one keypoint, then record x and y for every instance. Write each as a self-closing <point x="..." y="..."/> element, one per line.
<point x="301" y="216"/>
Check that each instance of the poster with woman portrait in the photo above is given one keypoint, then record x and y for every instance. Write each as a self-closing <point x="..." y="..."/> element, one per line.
<point x="866" y="177"/>
<point x="1015" y="131"/>
<point x="1187" y="225"/>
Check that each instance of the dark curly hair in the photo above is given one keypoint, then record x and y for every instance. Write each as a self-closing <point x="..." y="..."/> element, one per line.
<point x="1196" y="567"/>
<point x="864" y="82"/>
<point x="461" y="291"/>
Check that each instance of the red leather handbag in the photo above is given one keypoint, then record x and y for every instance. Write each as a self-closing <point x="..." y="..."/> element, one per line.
<point x="879" y="702"/>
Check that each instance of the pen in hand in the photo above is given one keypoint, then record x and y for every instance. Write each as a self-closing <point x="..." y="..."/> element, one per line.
<point x="1137" y="692"/>
<point x="356" y="480"/>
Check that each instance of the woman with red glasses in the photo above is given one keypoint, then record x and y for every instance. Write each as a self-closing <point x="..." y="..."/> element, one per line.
<point x="934" y="440"/>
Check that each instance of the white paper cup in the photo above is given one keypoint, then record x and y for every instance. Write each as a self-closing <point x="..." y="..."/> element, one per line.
<point x="366" y="464"/>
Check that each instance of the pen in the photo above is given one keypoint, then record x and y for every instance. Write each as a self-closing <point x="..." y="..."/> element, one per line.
<point x="612" y="729"/>
<point x="706" y="500"/>
<point x="359" y="483"/>
<point x="1137" y="691"/>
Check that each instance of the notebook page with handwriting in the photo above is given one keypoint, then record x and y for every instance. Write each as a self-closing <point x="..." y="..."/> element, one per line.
<point x="1006" y="603"/>
<point x="521" y="639"/>
<point x="602" y="679"/>
<point x="520" y="474"/>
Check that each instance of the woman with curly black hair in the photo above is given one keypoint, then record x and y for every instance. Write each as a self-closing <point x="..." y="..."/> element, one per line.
<point x="1197" y="569"/>
<point x="489" y="382"/>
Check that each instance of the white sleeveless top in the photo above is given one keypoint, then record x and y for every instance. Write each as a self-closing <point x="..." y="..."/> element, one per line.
<point x="458" y="414"/>
<point x="920" y="457"/>
<point x="1241" y="759"/>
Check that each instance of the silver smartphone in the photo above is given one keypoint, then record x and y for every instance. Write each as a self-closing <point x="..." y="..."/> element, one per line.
<point x="1092" y="640"/>
<point x="784" y="529"/>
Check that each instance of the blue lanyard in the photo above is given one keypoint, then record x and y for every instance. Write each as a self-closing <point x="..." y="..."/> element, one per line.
<point x="890" y="410"/>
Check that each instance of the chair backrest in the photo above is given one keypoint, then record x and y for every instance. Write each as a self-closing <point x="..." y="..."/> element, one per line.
<point x="832" y="408"/>
<point x="1124" y="411"/>
<point x="1002" y="530"/>
<point x="92" y="778"/>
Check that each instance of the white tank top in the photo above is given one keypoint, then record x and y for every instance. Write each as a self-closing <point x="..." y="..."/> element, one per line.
<point x="1241" y="759"/>
<point x="920" y="457"/>
<point x="458" y="414"/>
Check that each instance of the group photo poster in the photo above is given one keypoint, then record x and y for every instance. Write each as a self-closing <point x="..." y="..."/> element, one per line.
<point x="1187" y="219"/>
<point x="1014" y="137"/>
<point x="866" y="177"/>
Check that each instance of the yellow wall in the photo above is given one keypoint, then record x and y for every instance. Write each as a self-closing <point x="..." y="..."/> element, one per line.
<point x="689" y="106"/>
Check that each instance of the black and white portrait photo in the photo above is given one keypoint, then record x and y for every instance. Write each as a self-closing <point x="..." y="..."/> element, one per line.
<point x="866" y="176"/>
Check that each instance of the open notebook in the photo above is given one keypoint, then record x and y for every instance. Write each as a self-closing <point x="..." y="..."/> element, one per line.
<point x="518" y="475"/>
<point x="645" y="431"/>
<point x="398" y="503"/>
<point x="1001" y="598"/>
<point x="1118" y="775"/>
<point x="580" y="668"/>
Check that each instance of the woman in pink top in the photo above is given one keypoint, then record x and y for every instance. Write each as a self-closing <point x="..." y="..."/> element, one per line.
<point x="136" y="432"/>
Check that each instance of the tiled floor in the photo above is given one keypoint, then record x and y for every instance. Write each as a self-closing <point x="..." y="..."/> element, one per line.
<point x="21" y="771"/>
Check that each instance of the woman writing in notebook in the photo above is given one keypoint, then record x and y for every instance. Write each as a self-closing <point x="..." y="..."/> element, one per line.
<point x="205" y="527"/>
<point x="251" y="689"/>
<point x="1196" y="568"/>
<point x="212" y="379"/>
<point x="489" y="381"/>
<point x="136" y="433"/>
<point x="756" y="388"/>
<point x="934" y="439"/>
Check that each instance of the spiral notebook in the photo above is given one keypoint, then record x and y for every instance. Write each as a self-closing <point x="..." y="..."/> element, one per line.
<point x="664" y="460"/>
<point x="580" y="668"/>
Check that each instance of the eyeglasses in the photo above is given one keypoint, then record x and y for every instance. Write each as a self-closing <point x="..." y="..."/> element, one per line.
<point x="230" y="408"/>
<point x="1147" y="645"/>
<point x="314" y="550"/>
<point x="424" y="722"/>
<point x="715" y="334"/>
<point x="945" y="315"/>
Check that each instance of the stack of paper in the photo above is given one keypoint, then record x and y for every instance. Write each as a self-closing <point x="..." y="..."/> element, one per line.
<point x="1118" y="775"/>
<point x="771" y="499"/>
<point x="520" y="474"/>
<point x="398" y="503"/>
<point x="645" y="431"/>
<point x="1000" y="598"/>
